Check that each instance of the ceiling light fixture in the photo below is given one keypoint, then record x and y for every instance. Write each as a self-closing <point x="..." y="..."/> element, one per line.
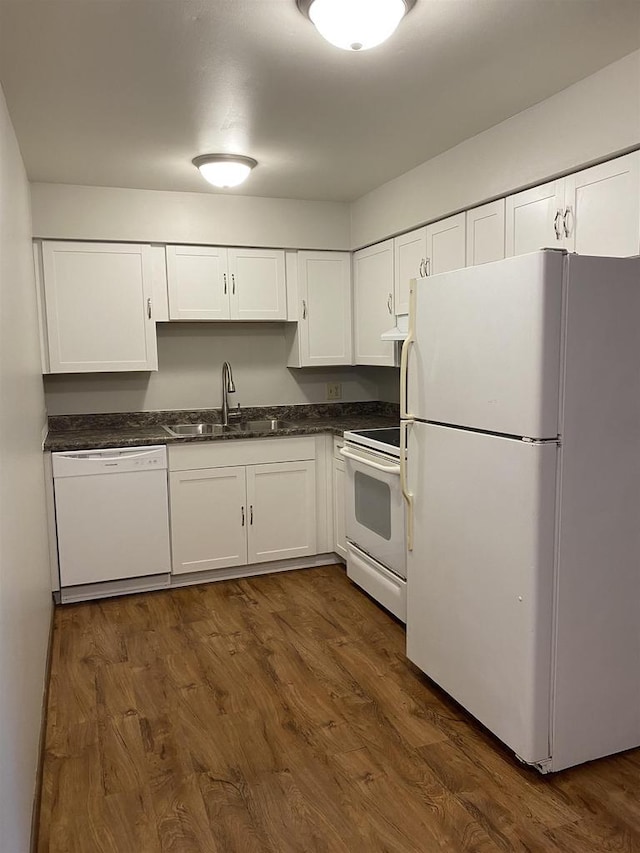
<point x="224" y="170"/>
<point x="355" y="24"/>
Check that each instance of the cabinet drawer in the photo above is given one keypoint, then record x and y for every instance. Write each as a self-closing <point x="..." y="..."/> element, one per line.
<point x="258" y="451"/>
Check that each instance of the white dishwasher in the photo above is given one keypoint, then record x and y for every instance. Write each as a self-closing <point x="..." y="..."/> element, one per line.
<point x="112" y="519"/>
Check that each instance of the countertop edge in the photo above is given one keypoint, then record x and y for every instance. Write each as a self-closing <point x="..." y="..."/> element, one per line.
<point x="58" y="442"/>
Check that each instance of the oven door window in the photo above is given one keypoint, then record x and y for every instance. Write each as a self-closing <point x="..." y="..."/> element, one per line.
<point x="373" y="504"/>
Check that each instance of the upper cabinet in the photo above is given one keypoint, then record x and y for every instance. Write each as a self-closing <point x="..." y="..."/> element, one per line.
<point x="410" y="261"/>
<point x="485" y="233"/>
<point x="322" y="335"/>
<point x="98" y="307"/>
<point x="214" y="283"/>
<point x="258" y="284"/>
<point x="446" y="244"/>
<point x="373" y="286"/>
<point x="592" y="212"/>
<point x="534" y="219"/>
<point x="602" y="208"/>
<point x="198" y="283"/>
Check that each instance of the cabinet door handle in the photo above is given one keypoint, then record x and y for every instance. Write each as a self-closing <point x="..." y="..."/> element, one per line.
<point x="423" y="268"/>
<point x="251" y="514"/>
<point x="390" y="303"/>
<point x="242" y="509"/>
<point x="427" y="267"/>
<point x="233" y="283"/>
<point x="225" y="283"/>
<point x="565" y="222"/>
<point x="149" y="308"/>
<point x="304" y="309"/>
<point x="557" y="226"/>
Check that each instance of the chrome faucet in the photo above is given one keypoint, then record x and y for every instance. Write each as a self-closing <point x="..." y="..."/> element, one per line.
<point x="228" y="387"/>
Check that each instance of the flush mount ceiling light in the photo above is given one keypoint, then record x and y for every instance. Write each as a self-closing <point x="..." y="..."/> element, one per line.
<point x="224" y="170"/>
<point x="355" y="24"/>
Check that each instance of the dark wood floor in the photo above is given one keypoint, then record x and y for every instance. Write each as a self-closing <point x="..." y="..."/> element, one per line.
<point x="279" y="715"/>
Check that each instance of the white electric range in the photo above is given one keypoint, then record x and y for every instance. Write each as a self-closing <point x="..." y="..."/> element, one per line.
<point x="375" y="510"/>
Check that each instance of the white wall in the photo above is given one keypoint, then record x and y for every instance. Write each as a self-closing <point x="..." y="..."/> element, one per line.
<point x="388" y="379"/>
<point x="591" y="120"/>
<point x="106" y="213"/>
<point x="25" y="590"/>
<point x="190" y="361"/>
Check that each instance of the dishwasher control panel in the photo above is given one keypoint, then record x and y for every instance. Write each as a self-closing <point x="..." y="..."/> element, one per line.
<point x="80" y="463"/>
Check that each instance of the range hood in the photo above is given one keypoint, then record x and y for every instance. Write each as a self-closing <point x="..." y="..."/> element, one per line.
<point x="399" y="331"/>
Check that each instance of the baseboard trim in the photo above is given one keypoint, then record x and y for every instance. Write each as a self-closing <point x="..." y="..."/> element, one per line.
<point x="90" y="592"/>
<point x="37" y="797"/>
<point x="239" y="572"/>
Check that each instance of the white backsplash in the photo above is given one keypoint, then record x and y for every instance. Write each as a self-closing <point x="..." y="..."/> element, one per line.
<point x="190" y="363"/>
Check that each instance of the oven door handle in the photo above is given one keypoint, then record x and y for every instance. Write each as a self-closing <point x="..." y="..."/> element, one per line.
<point x="370" y="463"/>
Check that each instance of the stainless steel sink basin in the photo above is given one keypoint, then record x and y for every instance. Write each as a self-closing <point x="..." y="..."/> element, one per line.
<point x="178" y="430"/>
<point x="266" y="425"/>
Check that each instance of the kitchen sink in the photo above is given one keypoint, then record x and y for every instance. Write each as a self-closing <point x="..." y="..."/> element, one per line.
<point x="178" y="430"/>
<point x="265" y="425"/>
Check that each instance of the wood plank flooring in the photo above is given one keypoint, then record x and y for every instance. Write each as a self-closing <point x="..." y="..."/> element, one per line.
<point x="280" y="715"/>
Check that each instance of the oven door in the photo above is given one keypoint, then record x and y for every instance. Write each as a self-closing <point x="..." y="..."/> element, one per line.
<point x="375" y="507"/>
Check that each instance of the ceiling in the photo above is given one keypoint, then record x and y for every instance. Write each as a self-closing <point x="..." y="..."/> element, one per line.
<point x="126" y="92"/>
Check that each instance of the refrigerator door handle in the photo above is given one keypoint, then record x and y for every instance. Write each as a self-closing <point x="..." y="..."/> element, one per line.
<point x="406" y="494"/>
<point x="406" y="345"/>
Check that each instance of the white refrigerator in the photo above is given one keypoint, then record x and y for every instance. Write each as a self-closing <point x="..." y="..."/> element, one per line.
<point x="521" y="420"/>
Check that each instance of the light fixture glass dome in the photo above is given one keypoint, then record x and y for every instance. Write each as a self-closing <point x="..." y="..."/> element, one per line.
<point x="356" y="24"/>
<point x="224" y="170"/>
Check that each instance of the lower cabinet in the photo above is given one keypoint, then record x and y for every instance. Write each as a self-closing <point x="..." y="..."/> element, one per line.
<point x="242" y="515"/>
<point x="339" y="515"/>
<point x="208" y="519"/>
<point x="281" y="511"/>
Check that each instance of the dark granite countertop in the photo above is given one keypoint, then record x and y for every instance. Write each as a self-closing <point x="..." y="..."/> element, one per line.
<point x="135" y="429"/>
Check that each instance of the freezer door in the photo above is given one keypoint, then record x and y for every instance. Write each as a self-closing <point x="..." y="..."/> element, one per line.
<point x="487" y="348"/>
<point x="480" y="577"/>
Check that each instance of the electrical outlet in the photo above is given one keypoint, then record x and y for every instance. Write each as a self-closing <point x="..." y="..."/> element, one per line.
<point x="334" y="391"/>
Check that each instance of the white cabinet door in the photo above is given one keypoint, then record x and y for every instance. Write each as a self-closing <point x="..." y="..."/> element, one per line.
<point x="534" y="219"/>
<point x="324" y="308"/>
<point x="258" y="284"/>
<point x="208" y="519"/>
<point x="373" y="303"/>
<point x="281" y="502"/>
<point x="485" y="233"/>
<point x="410" y="257"/>
<point x="602" y="208"/>
<point x="339" y="519"/>
<point x="446" y="244"/>
<point x="99" y="307"/>
<point x="198" y="283"/>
